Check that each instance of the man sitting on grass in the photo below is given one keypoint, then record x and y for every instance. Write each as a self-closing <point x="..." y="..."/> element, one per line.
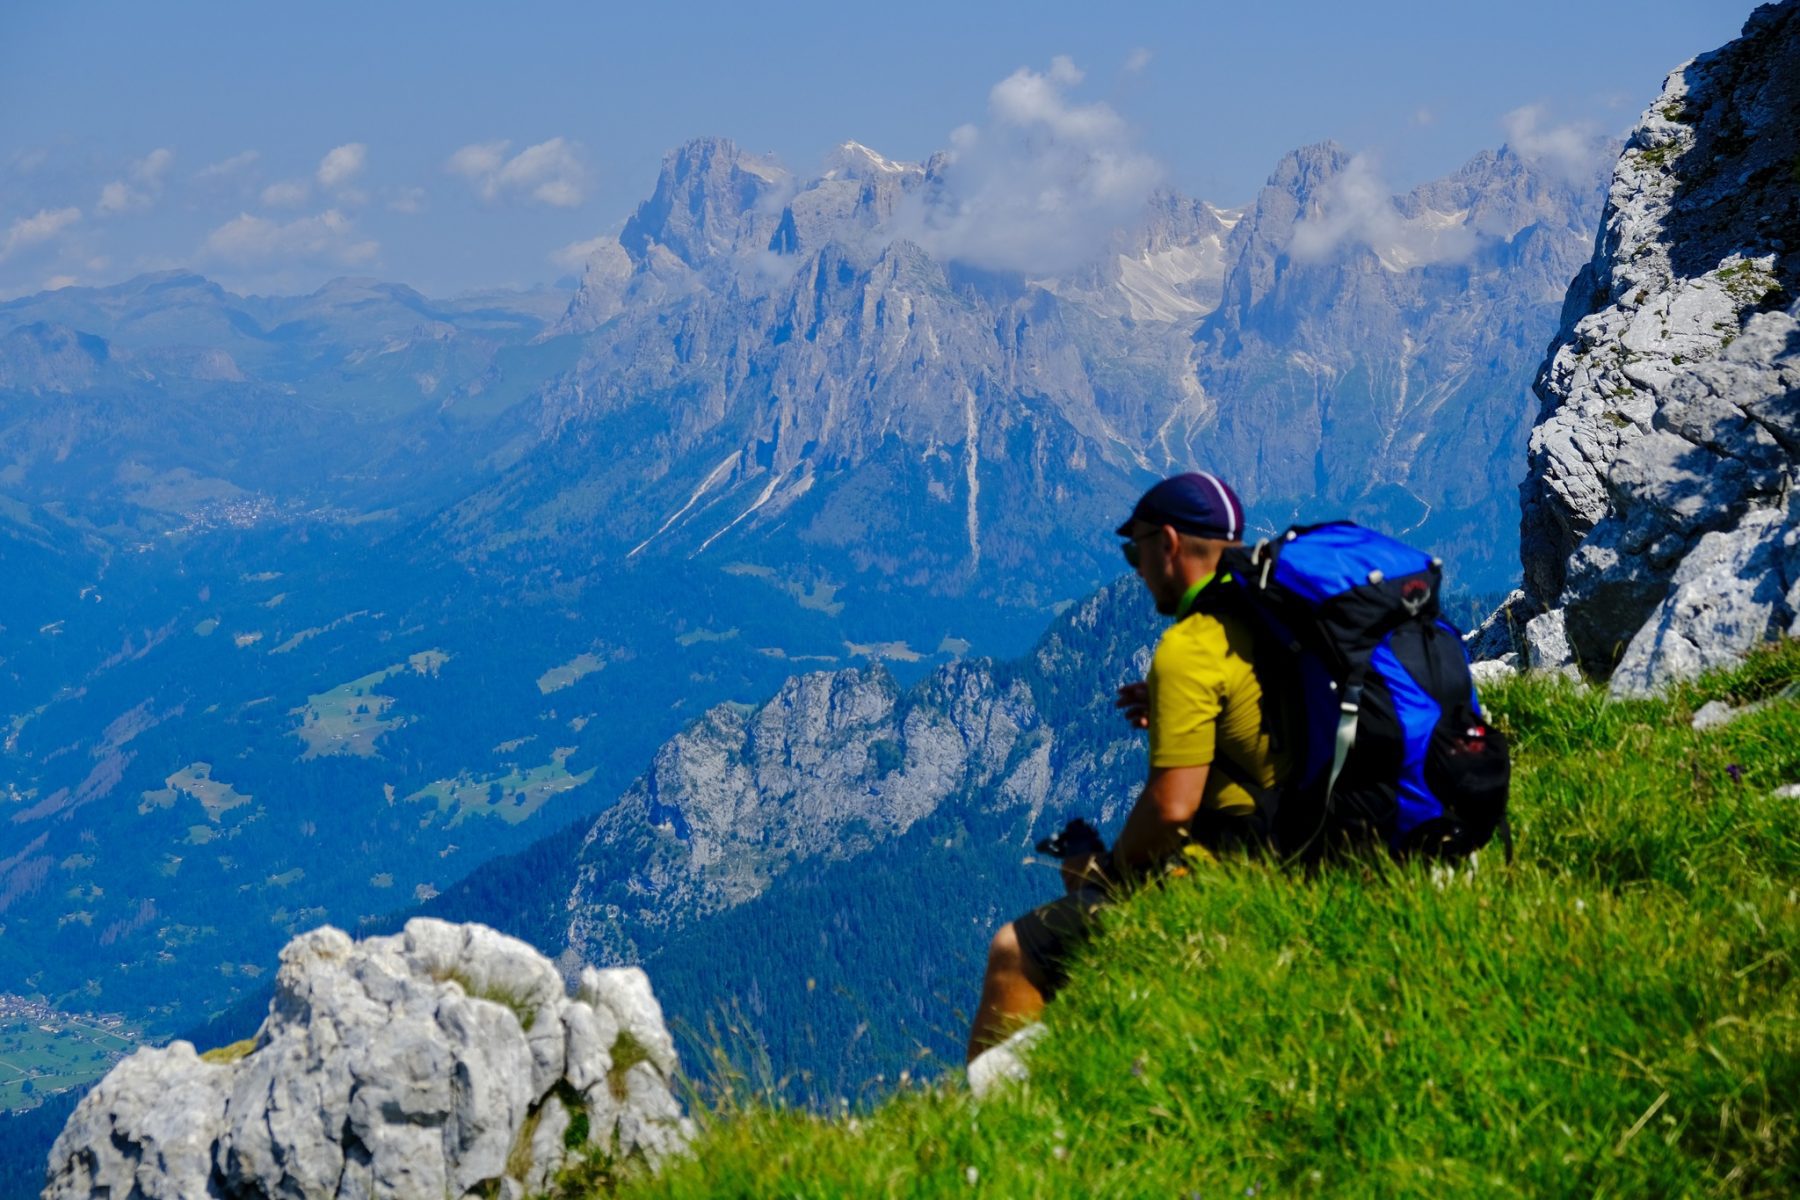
<point x="1201" y="703"/>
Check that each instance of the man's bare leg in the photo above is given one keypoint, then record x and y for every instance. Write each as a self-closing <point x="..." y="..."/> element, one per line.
<point x="1009" y="997"/>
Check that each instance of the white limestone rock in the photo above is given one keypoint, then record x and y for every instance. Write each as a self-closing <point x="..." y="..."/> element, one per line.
<point x="1713" y="714"/>
<point x="442" y="1061"/>
<point x="1502" y="634"/>
<point x="1492" y="670"/>
<point x="1656" y="500"/>
<point x="145" y="1131"/>
<point x="1729" y="596"/>
<point x="1547" y="643"/>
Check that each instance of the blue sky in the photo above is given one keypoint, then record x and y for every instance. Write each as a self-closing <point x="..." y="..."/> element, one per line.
<point x="461" y="145"/>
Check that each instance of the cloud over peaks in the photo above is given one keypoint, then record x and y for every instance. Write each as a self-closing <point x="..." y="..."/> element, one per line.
<point x="574" y="256"/>
<point x="1571" y="152"/>
<point x="549" y="172"/>
<point x="1041" y="185"/>
<point x="1357" y="209"/>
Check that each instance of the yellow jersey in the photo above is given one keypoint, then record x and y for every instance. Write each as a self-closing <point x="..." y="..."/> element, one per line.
<point x="1206" y="701"/>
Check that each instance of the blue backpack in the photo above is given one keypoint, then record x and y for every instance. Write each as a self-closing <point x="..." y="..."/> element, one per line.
<point x="1372" y="695"/>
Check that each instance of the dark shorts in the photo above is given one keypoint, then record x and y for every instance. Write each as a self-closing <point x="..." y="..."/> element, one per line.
<point x="1050" y="933"/>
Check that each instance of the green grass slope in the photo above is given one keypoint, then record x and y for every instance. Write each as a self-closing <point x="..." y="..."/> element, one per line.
<point x="1615" y="1014"/>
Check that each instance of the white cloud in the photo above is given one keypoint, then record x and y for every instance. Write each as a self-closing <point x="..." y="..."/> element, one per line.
<point x="148" y="172"/>
<point x="1573" y="152"/>
<point x="116" y="197"/>
<point x="328" y="237"/>
<point x="288" y="193"/>
<point x="477" y="159"/>
<point x="1041" y="186"/>
<point x="549" y="172"/>
<point x="227" y="166"/>
<point x="29" y="231"/>
<point x="1138" y="60"/>
<point x="57" y="283"/>
<point x="342" y="164"/>
<point x="574" y="256"/>
<point x="150" y="169"/>
<point x="407" y="200"/>
<point x="1357" y="208"/>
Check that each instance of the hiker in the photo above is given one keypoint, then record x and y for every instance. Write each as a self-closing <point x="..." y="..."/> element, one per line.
<point x="1203" y="707"/>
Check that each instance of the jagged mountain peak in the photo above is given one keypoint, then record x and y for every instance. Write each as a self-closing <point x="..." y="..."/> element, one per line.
<point x="710" y="202"/>
<point x="853" y="160"/>
<point x="1499" y="192"/>
<point x="1171" y="218"/>
<point x="905" y="258"/>
<point x="1303" y="171"/>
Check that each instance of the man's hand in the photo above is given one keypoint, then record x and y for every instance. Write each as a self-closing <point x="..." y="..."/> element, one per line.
<point x="1134" y="702"/>
<point x="1086" y="869"/>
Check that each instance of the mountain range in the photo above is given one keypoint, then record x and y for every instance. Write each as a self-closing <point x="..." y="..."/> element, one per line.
<point x="324" y="601"/>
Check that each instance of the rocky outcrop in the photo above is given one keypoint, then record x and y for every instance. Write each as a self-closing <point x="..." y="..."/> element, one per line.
<point x="833" y="764"/>
<point x="43" y="358"/>
<point x="446" y="1060"/>
<point x="1658" y="536"/>
<point x="837" y="763"/>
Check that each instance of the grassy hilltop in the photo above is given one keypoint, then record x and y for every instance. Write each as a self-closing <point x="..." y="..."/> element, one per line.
<point x="1618" y="1013"/>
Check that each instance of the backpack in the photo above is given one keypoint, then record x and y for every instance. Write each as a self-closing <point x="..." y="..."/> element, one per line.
<point x="1373" y="696"/>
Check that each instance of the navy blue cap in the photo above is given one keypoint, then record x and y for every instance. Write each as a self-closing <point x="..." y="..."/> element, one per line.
<point x="1196" y="503"/>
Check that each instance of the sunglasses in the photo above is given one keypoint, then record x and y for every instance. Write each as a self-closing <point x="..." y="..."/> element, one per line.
<point x="1130" y="549"/>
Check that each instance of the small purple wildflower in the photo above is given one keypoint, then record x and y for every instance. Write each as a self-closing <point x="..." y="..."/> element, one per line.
<point x="1736" y="771"/>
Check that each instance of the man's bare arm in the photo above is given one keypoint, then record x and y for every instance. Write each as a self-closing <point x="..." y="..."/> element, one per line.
<point x="1152" y="830"/>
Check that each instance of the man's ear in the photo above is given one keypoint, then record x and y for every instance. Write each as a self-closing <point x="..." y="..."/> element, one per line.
<point x="1169" y="538"/>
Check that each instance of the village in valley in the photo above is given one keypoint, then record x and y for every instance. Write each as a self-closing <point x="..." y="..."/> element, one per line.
<point x="45" y="1052"/>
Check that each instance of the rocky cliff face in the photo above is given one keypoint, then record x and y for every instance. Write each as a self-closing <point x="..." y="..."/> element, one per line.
<point x="800" y="356"/>
<point x="1370" y="356"/>
<point x="1658" y="535"/>
<point x="839" y="762"/>
<point x="443" y="1061"/>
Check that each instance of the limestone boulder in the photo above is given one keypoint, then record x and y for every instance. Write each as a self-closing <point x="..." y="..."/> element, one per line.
<point x="446" y="1060"/>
